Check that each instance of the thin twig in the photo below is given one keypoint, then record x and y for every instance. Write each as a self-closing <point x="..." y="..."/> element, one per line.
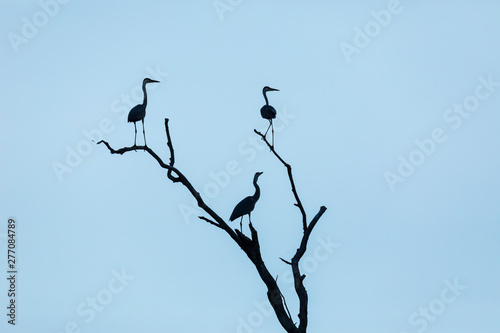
<point x="284" y="300"/>
<point x="285" y="261"/>
<point x="210" y="221"/>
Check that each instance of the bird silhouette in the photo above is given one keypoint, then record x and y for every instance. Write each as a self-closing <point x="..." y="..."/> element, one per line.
<point x="138" y="112"/>
<point x="247" y="205"/>
<point x="268" y="112"/>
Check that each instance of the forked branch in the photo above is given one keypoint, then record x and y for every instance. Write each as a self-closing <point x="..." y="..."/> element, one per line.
<point x="250" y="246"/>
<point x="297" y="276"/>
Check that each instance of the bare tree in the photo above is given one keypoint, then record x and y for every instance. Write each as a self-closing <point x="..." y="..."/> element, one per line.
<point x="250" y="245"/>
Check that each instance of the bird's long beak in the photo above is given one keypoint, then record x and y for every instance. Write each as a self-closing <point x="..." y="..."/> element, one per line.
<point x="154" y="81"/>
<point x="274" y="89"/>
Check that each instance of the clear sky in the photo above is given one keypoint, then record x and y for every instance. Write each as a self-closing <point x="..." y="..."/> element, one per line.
<point x="388" y="113"/>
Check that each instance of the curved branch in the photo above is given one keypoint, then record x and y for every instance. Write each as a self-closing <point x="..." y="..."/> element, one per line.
<point x="123" y="150"/>
<point x="179" y="178"/>
<point x="290" y="176"/>
<point x="172" y="154"/>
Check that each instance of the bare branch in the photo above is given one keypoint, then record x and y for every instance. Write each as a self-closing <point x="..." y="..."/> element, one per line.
<point x="210" y="221"/>
<point x="179" y="178"/>
<point x="172" y="154"/>
<point x="285" y="261"/>
<point x="305" y="238"/>
<point x="250" y="245"/>
<point x="252" y="249"/>
<point x="290" y="176"/>
<point x="123" y="150"/>
<point x="298" y="278"/>
<point x="284" y="301"/>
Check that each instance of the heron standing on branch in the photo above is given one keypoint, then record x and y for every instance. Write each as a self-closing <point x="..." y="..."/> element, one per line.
<point x="138" y="112"/>
<point x="247" y="205"/>
<point x="268" y="112"/>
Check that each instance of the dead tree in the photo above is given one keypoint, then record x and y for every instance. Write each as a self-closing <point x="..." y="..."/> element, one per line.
<point x="250" y="245"/>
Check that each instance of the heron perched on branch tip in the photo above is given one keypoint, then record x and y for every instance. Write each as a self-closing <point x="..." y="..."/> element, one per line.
<point x="268" y="112"/>
<point x="138" y="112"/>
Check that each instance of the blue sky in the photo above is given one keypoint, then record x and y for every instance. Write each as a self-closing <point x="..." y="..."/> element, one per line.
<point x="387" y="111"/>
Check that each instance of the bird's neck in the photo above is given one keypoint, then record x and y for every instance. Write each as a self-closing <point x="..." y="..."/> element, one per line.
<point x="256" y="196"/>
<point x="265" y="97"/>
<point x="145" y="102"/>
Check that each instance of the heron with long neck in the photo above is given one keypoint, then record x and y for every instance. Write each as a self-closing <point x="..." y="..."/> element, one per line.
<point x="268" y="112"/>
<point x="247" y="205"/>
<point x="138" y="112"/>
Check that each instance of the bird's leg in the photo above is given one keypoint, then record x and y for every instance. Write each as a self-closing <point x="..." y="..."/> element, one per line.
<point x="270" y="122"/>
<point x="135" y="137"/>
<point x="249" y="219"/>
<point x="272" y="132"/>
<point x="144" y="132"/>
<point x="241" y="224"/>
